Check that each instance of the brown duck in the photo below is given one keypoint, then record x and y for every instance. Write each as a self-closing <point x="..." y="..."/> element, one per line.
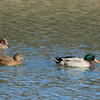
<point x="9" y="61"/>
<point x="3" y="44"/>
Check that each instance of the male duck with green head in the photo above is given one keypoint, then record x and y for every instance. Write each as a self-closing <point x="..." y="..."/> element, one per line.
<point x="76" y="61"/>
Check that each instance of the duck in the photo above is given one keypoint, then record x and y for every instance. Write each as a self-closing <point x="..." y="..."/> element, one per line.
<point x="10" y="61"/>
<point x="3" y="44"/>
<point x="76" y="61"/>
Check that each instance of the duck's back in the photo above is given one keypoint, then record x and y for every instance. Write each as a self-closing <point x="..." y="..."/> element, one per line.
<point x="76" y="62"/>
<point x="5" y="57"/>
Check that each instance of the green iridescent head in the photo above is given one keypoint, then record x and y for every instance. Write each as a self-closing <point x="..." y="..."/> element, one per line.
<point x="90" y="57"/>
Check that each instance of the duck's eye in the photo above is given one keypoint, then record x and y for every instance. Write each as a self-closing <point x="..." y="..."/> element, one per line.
<point x="3" y="41"/>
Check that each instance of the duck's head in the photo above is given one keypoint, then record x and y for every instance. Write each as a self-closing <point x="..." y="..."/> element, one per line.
<point x="90" y="57"/>
<point x="18" y="57"/>
<point x="4" y="42"/>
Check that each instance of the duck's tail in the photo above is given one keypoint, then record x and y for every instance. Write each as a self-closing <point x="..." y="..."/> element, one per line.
<point x="57" y="59"/>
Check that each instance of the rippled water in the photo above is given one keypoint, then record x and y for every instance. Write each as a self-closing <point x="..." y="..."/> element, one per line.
<point x="40" y="30"/>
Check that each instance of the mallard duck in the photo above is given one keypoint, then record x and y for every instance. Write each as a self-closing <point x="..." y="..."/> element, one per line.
<point x="76" y="61"/>
<point x="3" y="44"/>
<point x="9" y="61"/>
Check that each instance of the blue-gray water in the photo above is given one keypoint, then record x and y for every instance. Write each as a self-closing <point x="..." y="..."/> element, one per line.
<point x="40" y="30"/>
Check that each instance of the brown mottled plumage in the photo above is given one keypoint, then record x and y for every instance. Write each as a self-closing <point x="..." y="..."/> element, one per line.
<point x="3" y="44"/>
<point x="9" y="61"/>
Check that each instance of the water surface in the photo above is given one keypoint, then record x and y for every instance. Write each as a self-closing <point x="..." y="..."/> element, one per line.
<point x="40" y="30"/>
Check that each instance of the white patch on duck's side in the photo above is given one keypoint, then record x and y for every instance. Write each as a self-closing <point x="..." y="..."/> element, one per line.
<point x="63" y="63"/>
<point x="76" y="62"/>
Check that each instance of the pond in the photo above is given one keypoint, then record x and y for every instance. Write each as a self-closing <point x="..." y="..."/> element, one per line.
<point x="41" y="30"/>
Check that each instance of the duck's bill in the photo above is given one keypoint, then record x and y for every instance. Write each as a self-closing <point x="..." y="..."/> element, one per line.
<point x="7" y="44"/>
<point x="96" y="60"/>
<point x="24" y="59"/>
